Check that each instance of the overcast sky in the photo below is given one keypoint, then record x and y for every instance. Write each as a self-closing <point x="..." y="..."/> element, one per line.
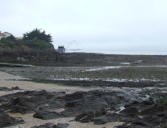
<point x="104" y="26"/>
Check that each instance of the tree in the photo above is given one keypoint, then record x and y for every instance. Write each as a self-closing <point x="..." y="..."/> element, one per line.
<point x="12" y="38"/>
<point x="36" y="34"/>
<point x="35" y="40"/>
<point x="38" y="44"/>
<point x="38" y="39"/>
<point x="8" y="42"/>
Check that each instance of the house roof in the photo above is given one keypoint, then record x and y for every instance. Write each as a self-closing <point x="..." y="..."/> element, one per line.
<point x="19" y="38"/>
<point x="2" y="34"/>
<point x="60" y="46"/>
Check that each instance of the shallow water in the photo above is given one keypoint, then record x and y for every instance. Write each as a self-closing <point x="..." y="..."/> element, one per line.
<point x="102" y="68"/>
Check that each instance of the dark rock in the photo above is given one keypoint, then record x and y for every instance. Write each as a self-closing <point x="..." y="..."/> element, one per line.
<point x="130" y="110"/>
<point x="50" y="125"/>
<point x="101" y="120"/>
<point x="107" y="118"/>
<point x="85" y="117"/>
<point x="60" y="125"/>
<point x="9" y="89"/>
<point x="6" y="120"/>
<point x="149" y="114"/>
<point x="132" y="126"/>
<point x="154" y="108"/>
<point x="46" y="115"/>
<point x="15" y="88"/>
<point x="31" y="101"/>
<point x="96" y="102"/>
<point x="95" y="106"/>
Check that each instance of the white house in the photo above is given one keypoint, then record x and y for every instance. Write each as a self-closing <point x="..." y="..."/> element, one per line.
<point x="4" y="35"/>
<point x="1" y="35"/>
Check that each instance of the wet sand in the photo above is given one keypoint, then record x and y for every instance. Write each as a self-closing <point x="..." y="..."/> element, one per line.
<point x="8" y="80"/>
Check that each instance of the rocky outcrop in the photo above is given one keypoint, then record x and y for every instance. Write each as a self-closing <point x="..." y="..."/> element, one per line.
<point x="96" y="106"/>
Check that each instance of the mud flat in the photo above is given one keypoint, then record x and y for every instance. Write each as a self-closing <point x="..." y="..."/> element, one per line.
<point x="111" y="76"/>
